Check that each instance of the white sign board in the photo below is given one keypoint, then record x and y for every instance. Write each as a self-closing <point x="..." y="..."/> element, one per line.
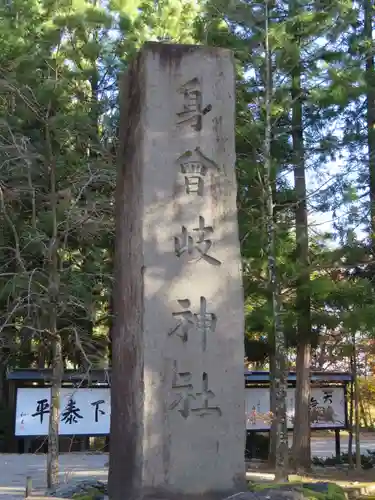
<point x="327" y="408"/>
<point x="87" y="411"/>
<point x="82" y="411"/>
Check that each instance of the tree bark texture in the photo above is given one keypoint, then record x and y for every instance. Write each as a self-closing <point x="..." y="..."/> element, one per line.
<point x="54" y="417"/>
<point x="301" y="431"/>
<point x="368" y="7"/>
<point x="273" y="428"/>
<point x="57" y="354"/>
<point x="125" y="464"/>
<point x="356" y="407"/>
<point x="280" y="382"/>
<point x="351" y="414"/>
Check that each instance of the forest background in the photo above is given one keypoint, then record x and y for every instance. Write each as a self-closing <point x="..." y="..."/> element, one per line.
<point x="305" y="87"/>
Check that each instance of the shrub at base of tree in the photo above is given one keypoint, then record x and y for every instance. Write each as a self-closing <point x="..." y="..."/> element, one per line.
<point x="312" y="491"/>
<point x="367" y="461"/>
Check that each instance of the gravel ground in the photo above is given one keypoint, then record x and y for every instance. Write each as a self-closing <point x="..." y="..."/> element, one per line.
<point x="79" y="466"/>
<point x="73" y="467"/>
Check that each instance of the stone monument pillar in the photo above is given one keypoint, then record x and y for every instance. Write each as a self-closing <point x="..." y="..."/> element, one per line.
<point x="178" y="354"/>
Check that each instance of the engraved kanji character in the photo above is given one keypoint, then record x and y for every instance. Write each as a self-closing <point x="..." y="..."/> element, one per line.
<point x="192" y="111"/>
<point x="181" y="384"/>
<point x="206" y="395"/>
<point x="203" y="321"/>
<point x="206" y="322"/>
<point x="194" y="173"/>
<point x="196" y="242"/>
<point x="192" y="105"/>
<point x="186" y="321"/>
<point x="194" y="166"/>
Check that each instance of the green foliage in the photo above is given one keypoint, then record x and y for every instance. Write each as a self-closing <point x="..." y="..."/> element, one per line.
<point x="58" y="88"/>
<point x="333" y="89"/>
<point x="92" y="494"/>
<point x="266" y="486"/>
<point x="334" y="492"/>
<point x="317" y="491"/>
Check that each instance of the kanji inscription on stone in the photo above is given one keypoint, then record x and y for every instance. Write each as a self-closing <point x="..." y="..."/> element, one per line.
<point x="192" y="109"/>
<point x="205" y="321"/>
<point x="181" y="383"/>
<point x="205" y="396"/>
<point x="183" y="289"/>
<point x="187" y="400"/>
<point x="186" y="321"/>
<point x="196" y="242"/>
<point x="194" y="166"/>
<point x="202" y="321"/>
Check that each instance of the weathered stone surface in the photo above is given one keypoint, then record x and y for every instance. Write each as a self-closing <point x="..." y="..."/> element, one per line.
<point x="184" y="230"/>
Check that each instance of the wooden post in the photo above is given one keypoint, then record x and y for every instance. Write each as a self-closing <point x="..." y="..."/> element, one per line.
<point x="29" y="487"/>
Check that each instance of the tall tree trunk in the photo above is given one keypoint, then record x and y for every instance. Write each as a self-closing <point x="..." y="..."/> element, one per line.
<point x="351" y="413"/>
<point x="5" y="352"/>
<point x="322" y="356"/>
<point x="273" y="428"/>
<point x="53" y="429"/>
<point x="280" y="382"/>
<point x="368" y="411"/>
<point x="57" y="357"/>
<point x="368" y="7"/>
<point x="301" y="432"/>
<point x="356" y="406"/>
<point x="125" y="459"/>
<point x="363" y="414"/>
<point x="110" y="325"/>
